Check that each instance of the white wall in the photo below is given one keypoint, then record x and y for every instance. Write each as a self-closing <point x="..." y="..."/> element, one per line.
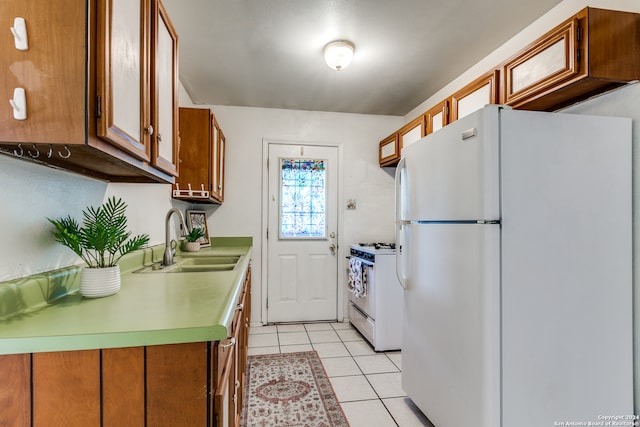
<point x="30" y="193"/>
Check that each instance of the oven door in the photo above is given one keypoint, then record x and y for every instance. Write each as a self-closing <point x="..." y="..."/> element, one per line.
<point x="366" y="303"/>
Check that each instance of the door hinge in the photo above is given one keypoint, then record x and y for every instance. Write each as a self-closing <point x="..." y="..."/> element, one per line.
<point x="98" y="106"/>
<point x="267" y="163"/>
<point x="267" y="303"/>
<point x="267" y="234"/>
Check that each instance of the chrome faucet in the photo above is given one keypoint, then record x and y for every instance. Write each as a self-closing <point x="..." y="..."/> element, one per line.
<point x="169" y="252"/>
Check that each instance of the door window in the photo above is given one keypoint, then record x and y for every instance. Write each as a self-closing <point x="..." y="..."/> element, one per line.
<point x="302" y="199"/>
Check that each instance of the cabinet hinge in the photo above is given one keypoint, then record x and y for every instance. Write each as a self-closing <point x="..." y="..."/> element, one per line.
<point x="578" y="34"/>
<point x="98" y="106"/>
<point x="446" y="111"/>
<point x="578" y="55"/>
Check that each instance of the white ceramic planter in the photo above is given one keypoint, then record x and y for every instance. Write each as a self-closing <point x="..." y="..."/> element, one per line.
<point x="192" y="246"/>
<point x="99" y="282"/>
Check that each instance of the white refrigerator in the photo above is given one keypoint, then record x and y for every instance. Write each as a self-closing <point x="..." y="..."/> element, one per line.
<point x="514" y="251"/>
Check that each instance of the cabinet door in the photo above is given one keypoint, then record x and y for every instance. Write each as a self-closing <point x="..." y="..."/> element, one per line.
<point x="545" y="63"/>
<point x="224" y="405"/>
<point x="411" y="132"/>
<point x="475" y="95"/>
<point x="15" y="390"/>
<point x="52" y="72"/>
<point x="123" y="71"/>
<point x="165" y="92"/>
<point x="437" y="117"/>
<point x="123" y="396"/>
<point x="216" y="185"/>
<point x="66" y="388"/>
<point x="389" y="150"/>
<point x="177" y="384"/>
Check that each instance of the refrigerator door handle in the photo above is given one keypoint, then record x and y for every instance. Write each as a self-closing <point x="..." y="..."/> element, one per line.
<point x="401" y="246"/>
<point x="400" y="226"/>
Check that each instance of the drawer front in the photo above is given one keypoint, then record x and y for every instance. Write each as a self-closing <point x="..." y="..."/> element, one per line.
<point x="362" y="323"/>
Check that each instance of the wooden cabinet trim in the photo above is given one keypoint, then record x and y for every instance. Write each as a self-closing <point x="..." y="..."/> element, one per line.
<point x="137" y="145"/>
<point x="169" y="166"/>
<point x="440" y="108"/>
<point x="416" y="123"/>
<point x="566" y="32"/>
<point x="490" y="78"/>
<point x="393" y="157"/>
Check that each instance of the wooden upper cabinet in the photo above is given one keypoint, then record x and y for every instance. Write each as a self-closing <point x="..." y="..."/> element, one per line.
<point x="86" y="76"/>
<point x="437" y="117"/>
<point x="164" y="92"/>
<point x="202" y="154"/>
<point x="389" y="150"/>
<point x="411" y="132"/>
<point x="591" y="52"/>
<point x="51" y="73"/>
<point x="475" y="95"/>
<point x="123" y="81"/>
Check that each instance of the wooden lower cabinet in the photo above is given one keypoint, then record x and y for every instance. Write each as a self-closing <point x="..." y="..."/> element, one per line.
<point x="173" y="385"/>
<point x="66" y="388"/>
<point x="123" y="386"/>
<point x="177" y="386"/>
<point x="15" y="390"/>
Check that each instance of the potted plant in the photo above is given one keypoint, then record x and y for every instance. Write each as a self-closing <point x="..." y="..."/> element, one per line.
<point x="101" y="241"/>
<point x="192" y="244"/>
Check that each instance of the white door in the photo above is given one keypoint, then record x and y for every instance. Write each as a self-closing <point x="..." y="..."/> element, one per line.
<point x="302" y="281"/>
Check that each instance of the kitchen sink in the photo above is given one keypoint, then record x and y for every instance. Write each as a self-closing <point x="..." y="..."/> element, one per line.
<point x="195" y="264"/>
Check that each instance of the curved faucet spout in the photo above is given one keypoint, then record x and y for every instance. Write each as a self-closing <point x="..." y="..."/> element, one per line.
<point x="168" y="251"/>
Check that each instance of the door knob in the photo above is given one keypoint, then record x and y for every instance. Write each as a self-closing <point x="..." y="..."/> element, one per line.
<point x="332" y="248"/>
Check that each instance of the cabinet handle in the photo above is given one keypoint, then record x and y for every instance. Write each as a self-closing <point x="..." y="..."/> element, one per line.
<point x="232" y="342"/>
<point x="149" y="130"/>
<point x="239" y="307"/>
<point x="159" y="137"/>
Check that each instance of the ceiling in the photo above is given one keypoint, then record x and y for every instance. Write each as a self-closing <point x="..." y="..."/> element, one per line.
<point x="268" y="53"/>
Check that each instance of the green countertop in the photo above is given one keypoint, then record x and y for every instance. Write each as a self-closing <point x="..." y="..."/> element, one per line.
<point x="149" y="309"/>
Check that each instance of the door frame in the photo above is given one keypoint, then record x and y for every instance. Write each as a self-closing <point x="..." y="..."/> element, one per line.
<point x="340" y="254"/>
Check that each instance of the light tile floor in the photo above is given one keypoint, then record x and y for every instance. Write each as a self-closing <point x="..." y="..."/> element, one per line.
<point x="367" y="383"/>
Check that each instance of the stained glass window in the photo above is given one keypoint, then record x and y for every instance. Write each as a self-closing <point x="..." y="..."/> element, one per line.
<point x="302" y="199"/>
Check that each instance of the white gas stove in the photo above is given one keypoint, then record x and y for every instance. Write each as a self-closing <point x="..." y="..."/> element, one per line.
<point x="375" y="306"/>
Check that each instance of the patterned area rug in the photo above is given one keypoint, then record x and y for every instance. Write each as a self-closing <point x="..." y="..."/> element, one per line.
<point x="290" y="390"/>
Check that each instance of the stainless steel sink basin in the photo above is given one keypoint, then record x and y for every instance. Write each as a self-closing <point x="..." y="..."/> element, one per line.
<point x="208" y="260"/>
<point x="195" y="264"/>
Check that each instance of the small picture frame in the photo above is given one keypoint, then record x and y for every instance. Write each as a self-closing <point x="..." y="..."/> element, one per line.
<point x="198" y="219"/>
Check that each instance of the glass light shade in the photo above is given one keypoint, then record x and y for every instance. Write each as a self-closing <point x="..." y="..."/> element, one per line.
<point x="338" y="54"/>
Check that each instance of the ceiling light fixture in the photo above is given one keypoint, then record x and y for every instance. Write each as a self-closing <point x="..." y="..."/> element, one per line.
<point x="338" y="54"/>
